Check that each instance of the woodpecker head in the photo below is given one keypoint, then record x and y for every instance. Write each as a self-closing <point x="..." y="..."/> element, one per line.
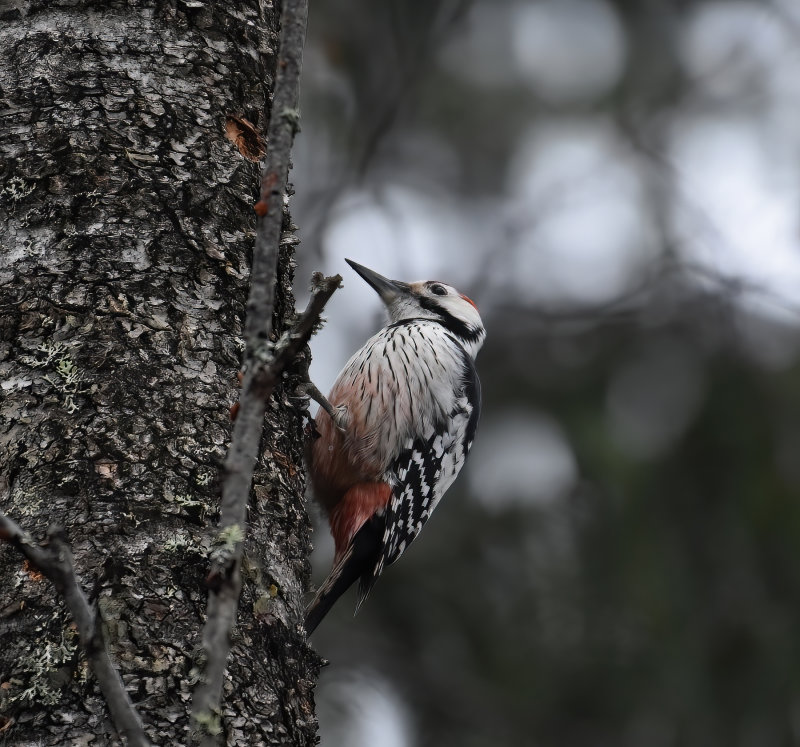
<point x="429" y="299"/>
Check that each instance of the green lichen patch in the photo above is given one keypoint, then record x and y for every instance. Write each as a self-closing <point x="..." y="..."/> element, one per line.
<point x="64" y="375"/>
<point x="40" y="676"/>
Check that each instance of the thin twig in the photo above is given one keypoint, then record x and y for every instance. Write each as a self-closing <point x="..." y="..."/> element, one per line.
<point x="55" y="562"/>
<point x="263" y="367"/>
<point x="283" y="125"/>
<point x="224" y="579"/>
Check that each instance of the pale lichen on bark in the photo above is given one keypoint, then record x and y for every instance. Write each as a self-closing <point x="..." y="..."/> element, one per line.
<point x="126" y="231"/>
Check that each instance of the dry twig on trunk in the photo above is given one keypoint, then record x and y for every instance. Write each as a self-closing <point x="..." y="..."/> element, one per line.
<point x="264" y="364"/>
<point x="55" y="562"/>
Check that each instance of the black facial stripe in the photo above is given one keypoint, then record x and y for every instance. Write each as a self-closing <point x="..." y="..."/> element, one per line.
<point x="460" y="329"/>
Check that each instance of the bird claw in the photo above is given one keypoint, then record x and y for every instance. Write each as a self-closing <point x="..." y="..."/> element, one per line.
<point x="338" y="415"/>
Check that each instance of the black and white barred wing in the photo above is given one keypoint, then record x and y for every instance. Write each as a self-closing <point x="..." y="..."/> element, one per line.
<point x="420" y="475"/>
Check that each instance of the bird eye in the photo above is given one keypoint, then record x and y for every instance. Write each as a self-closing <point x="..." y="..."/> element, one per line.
<point x="438" y="290"/>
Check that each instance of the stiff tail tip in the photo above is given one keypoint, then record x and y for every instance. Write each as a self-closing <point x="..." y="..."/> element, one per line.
<point x="356" y="562"/>
<point x="338" y="582"/>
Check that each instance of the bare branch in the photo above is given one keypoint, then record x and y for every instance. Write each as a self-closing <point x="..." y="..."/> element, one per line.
<point x="283" y="125"/>
<point x="224" y="579"/>
<point x="263" y="367"/>
<point x="55" y="562"/>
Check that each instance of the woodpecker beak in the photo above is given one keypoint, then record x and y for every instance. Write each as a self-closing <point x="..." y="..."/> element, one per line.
<point x="388" y="290"/>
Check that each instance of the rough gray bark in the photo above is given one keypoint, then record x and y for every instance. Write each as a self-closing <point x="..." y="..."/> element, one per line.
<point x="54" y="560"/>
<point x="127" y="224"/>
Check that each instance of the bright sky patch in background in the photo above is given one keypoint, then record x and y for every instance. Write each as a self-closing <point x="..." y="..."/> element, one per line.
<point x="572" y="222"/>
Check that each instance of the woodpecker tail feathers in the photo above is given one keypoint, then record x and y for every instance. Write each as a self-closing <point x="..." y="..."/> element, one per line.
<point x="338" y="582"/>
<point x="355" y="562"/>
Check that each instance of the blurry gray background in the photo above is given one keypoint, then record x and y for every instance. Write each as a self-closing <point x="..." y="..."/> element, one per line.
<point x="616" y="183"/>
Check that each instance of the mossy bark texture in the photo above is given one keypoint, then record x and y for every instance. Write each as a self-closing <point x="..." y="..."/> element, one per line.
<point x="125" y="239"/>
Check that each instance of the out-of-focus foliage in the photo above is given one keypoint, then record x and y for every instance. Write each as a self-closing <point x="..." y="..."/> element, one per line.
<point x="618" y="185"/>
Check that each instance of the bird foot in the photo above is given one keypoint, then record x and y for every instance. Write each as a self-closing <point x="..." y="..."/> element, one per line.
<point x="338" y="414"/>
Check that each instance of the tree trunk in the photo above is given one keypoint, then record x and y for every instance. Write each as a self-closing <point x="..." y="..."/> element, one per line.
<point x="127" y="227"/>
